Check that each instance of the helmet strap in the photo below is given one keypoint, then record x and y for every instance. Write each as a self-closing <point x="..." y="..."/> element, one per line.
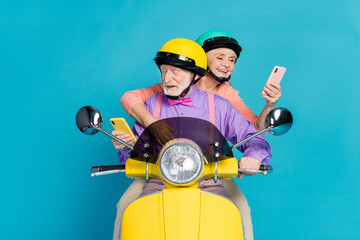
<point x="186" y="90"/>
<point x="219" y="79"/>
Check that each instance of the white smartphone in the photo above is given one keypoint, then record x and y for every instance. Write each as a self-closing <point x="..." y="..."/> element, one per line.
<point x="276" y="75"/>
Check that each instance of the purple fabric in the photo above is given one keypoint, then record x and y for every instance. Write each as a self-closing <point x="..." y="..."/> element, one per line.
<point x="228" y="120"/>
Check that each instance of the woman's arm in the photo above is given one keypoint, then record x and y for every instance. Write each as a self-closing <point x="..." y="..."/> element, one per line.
<point x="133" y="103"/>
<point x="142" y="115"/>
<point x="272" y="95"/>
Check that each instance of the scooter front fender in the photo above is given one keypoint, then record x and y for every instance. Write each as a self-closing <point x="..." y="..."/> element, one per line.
<point x="182" y="213"/>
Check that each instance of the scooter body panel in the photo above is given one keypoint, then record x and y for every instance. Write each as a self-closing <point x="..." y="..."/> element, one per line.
<point x="144" y="219"/>
<point x="184" y="213"/>
<point x="220" y="218"/>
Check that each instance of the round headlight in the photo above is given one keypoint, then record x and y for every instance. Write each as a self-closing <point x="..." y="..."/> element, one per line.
<point x="181" y="162"/>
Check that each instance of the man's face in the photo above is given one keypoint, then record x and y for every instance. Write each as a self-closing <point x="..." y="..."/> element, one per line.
<point x="174" y="79"/>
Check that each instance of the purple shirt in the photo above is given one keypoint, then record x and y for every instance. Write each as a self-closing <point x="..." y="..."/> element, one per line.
<point x="228" y="120"/>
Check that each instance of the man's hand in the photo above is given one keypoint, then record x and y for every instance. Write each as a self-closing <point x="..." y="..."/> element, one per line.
<point x="249" y="163"/>
<point x="123" y="136"/>
<point x="161" y="131"/>
<point x="272" y="93"/>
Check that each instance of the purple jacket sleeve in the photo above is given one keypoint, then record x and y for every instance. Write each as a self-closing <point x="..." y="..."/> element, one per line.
<point x="238" y="128"/>
<point x="123" y="155"/>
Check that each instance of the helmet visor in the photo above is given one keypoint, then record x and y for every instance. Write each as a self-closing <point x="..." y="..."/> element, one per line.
<point x="178" y="61"/>
<point x="222" y="42"/>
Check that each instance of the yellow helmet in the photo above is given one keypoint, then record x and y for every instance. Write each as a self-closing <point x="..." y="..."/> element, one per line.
<point x="183" y="53"/>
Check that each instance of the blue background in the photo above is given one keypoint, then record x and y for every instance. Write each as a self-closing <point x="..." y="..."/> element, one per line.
<point x="57" y="56"/>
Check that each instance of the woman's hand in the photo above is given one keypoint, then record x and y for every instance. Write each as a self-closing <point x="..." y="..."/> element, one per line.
<point x="272" y="94"/>
<point x="123" y="136"/>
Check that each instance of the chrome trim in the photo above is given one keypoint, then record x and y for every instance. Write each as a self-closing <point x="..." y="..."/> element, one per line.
<point x="243" y="170"/>
<point x="147" y="172"/>
<point x="95" y="174"/>
<point x="115" y="138"/>
<point x="216" y="173"/>
<point x="249" y="138"/>
<point x="181" y="141"/>
<point x="205" y="160"/>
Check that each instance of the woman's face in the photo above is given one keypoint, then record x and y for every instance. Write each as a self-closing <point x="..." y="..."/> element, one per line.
<point x="221" y="61"/>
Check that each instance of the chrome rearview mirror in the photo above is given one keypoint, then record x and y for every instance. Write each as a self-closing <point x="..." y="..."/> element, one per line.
<point x="278" y="121"/>
<point x="89" y="121"/>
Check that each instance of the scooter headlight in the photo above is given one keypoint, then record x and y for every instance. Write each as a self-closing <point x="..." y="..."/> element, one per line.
<point x="181" y="162"/>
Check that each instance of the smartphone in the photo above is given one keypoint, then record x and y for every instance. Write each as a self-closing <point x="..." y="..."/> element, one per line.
<point x="120" y="124"/>
<point x="276" y="75"/>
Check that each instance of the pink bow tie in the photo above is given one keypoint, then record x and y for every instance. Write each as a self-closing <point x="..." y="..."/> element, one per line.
<point x="186" y="101"/>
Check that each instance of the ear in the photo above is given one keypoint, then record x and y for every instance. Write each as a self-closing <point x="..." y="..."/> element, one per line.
<point x="197" y="77"/>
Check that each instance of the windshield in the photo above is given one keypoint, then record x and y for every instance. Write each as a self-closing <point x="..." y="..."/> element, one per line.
<point x="202" y="132"/>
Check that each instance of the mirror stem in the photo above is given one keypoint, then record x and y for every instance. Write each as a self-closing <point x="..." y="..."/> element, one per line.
<point x="115" y="138"/>
<point x="249" y="138"/>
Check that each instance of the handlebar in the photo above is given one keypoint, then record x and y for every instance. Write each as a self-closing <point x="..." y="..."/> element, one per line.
<point x="104" y="170"/>
<point x="107" y="168"/>
<point x="264" y="169"/>
<point x="110" y="169"/>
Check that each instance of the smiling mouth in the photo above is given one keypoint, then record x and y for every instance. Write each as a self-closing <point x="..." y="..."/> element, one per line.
<point x="222" y="72"/>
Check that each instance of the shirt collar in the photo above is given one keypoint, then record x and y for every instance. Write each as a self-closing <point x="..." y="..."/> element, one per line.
<point x="194" y="94"/>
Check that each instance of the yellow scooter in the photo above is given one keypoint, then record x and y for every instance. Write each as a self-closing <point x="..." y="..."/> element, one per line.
<point x="198" y="151"/>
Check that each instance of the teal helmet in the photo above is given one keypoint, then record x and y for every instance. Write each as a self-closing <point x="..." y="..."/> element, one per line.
<point x="218" y="39"/>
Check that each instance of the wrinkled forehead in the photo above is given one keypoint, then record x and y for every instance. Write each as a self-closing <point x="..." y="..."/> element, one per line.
<point x="172" y="68"/>
<point x="227" y="52"/>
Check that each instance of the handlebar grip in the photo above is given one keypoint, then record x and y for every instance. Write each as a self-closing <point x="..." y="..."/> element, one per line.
<point x="107" y="168"/>
<point x="267" y="168"/>
<point x="264" y="169"/>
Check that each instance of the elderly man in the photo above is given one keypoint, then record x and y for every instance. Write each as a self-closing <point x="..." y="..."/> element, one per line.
<point x="182" y="62"/>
